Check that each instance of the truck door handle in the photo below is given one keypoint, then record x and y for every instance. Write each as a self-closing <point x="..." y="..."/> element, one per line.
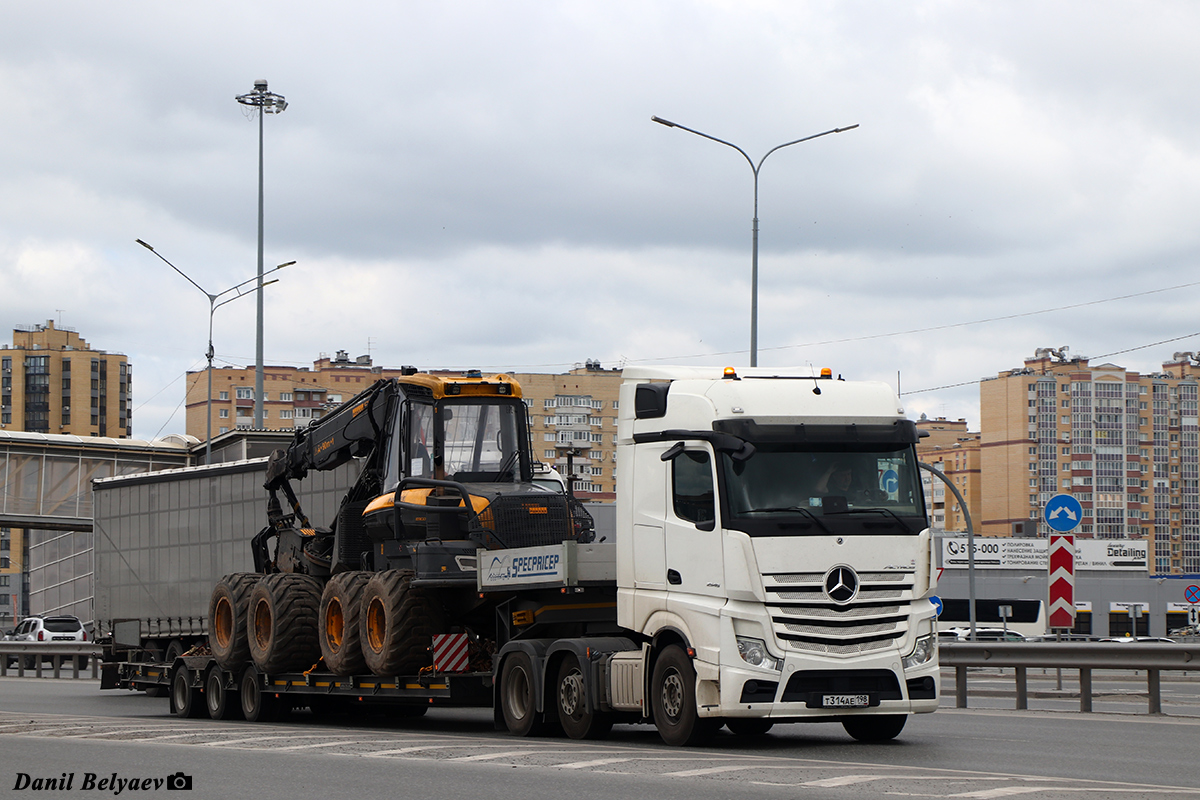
<point x="673" y="577"/>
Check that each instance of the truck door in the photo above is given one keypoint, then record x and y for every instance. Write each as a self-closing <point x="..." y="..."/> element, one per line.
<point x="693" y="538"/>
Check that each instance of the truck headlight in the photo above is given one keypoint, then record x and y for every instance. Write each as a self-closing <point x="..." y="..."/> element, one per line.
<point x="754" y="652"/>
<point x="923" y="653"/>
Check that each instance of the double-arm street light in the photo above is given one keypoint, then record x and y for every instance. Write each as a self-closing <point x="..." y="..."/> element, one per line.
<point x="214" y="302"/>
<point x="754" y="247"/>
<point x="266" y="103"/>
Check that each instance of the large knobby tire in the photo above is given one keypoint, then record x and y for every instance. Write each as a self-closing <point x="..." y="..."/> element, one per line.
<point x="187" y="700"/>
<point x="570" y="693"/>
<point x="258" y="705"/>
<point x="876" y="728"/>
<point x="227" y="619"/>
<point x="338" y="622"/>
<point x="282" y="623"/>
<point x="673" y="700"/>
<point x="222" y="702"/>
<point x="396" y="624"/>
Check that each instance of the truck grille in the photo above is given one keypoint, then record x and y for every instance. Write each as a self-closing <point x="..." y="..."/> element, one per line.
<point x="806" y="617"/>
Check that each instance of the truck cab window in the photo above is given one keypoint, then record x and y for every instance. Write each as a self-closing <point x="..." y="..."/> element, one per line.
<point x="692" y="486"/>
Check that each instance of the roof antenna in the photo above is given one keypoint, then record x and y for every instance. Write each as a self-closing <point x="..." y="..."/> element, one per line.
<point x="816" y="386"/>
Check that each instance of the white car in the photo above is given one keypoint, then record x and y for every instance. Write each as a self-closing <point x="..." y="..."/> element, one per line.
<point x="64" y="629"/>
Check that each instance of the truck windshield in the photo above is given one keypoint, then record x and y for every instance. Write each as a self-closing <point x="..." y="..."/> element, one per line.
<point x="482" y="441"/>
<point x="822" y="487"/>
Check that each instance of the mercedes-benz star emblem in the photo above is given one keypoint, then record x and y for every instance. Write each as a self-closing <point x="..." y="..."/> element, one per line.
<point x="841" y="584"/>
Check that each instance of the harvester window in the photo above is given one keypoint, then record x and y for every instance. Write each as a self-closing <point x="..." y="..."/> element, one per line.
<point x="692" y="486"/>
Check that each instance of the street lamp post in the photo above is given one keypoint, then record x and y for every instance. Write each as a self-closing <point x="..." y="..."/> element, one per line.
<point x="266" y="103"/>
<point x="754" y="246"/>
<point x="213" y="305"/>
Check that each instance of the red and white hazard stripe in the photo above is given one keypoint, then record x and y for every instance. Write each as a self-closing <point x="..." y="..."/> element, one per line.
<point x="1062" y="581"/>
<point x="450" y="652"/>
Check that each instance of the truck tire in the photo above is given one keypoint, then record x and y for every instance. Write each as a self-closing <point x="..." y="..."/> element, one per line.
<point x="338" y="623"/>
<point x="578" y="721"/>
<point x="396" y="624"/>
<point x="879" y="728"/>
<point x="748" y="726"/>
<point x="188" y="701"/>
<point x="282" y="622"/>
<point x="174" y="650"/>
<point x="258" y="705"/>
<point x="227" y="619"/>
<point x="673" y="700"/>
<point x="221" y="701"/>
<point x="518" y="696"/>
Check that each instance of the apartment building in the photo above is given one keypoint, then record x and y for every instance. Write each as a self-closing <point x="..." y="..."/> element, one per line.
<point x="954" y="451"/>
<point x="51" y="381"/>
<point x="1126" y="445"/>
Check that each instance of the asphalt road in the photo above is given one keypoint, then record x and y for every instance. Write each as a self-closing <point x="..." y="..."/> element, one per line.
<point x="49" y="729"/>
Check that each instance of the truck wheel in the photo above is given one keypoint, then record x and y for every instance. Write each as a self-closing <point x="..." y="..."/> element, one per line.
<point x="174" y="650"/>
<point x="518" y="696"/>
<point x="578" y="721"/>
<point x="282" y="622"/>
<point x="879" y="728"/>
<point x="188" y="701"/>
<point x="221" y="701"/>
<point x="748" y="726"/>
<point x="396" y="624"/>
<point x="258" y="705"/>
<point x="339" y="627"/>
<point x="673" y="695"/>
<point x="227" y="619"/>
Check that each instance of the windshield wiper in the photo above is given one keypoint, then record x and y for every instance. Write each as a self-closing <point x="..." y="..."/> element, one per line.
<point x="885" y="511"/>
<point x="800" y="509"/>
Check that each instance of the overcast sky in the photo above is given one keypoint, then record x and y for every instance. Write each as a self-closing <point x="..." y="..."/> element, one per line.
<point x="479" y="184"/>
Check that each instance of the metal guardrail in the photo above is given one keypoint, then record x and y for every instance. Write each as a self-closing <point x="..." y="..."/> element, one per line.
<point x="1153" y="657"/>
<point x="58" y="654"/>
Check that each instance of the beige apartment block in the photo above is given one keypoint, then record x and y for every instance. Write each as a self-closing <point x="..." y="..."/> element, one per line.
<point x="954" y="451"/>
<point x="573" y="415"/>
<point x="51" y="381"/>
<point x="1126" y="445"/>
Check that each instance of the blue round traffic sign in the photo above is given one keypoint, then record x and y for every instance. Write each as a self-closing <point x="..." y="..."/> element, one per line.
<point x="1192" y="594"/>
<point x="1063" y="513"/>
<point x="889" y="481"/>
<point x="937" y="604"/>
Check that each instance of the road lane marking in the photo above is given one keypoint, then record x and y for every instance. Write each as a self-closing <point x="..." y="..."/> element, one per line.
<point x="490" y="756"/>
<point x="844" y="780"/>
<point x="599" y="762"/>
<point x="690" y="773"/>
<point x="402" y="750"/>
<point x="310" y="746"/>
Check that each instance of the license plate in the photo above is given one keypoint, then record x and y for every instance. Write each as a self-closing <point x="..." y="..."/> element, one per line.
<point x="845" y="700"/>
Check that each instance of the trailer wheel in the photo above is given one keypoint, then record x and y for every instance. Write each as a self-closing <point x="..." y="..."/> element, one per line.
<point x="578" y="720"/>
<point x="396" y="624"/>
<point x="518" y="696"/>
<point x="748" y="726"/>
<point x="227" y="619"/>
<point x="338" y="623"/>
<point x="282" y="622"/>
<point x="673" y="698"/>
<point x="881" y="728"/>
<point x="187" y="700"/>
<point x="258" y="705"/>
<point x="221" y="701"/>
<point x="174" y="650"/>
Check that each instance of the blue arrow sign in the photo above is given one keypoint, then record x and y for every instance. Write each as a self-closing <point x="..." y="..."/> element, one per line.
<point x="937" y="604"/>
<point x="889" y="481"/>
<point x="1063" y="513"/>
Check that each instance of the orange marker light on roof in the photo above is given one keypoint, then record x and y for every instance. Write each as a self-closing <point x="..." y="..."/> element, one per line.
<point x="731" y="373"/>
<point x="826" y="372"/>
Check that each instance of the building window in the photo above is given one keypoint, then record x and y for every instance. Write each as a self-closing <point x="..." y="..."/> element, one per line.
<point x="224" y="413"/>
<point x="224" y="395"/>
<point x="285" y="413"/>
<point x="244" y="393"/>
<point x="285" y="397"/>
